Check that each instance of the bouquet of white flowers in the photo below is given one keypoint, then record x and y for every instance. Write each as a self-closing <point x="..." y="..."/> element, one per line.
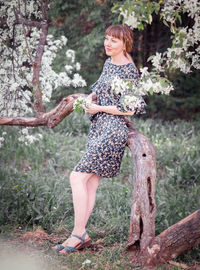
<point x="130" y="98"/>
<point x="81" y="104"/>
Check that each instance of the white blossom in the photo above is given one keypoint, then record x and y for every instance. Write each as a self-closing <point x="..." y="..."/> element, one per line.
<point x="71" y="55"/>
<point x="157" y="61"/>
<point x="78" y="81"/>
<point x="144" y="72"/>
<point x="129" y="19"/>
<point x="119" y="86"/>
<point x="86" y="262"/>
<point x="17" y="73"/>
<point x="81" y="103"/>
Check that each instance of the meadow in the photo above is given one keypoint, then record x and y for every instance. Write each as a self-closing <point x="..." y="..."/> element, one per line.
<point x="35" y="191"/>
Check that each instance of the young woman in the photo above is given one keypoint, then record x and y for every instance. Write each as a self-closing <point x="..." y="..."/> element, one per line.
<point x="107" y="137"/>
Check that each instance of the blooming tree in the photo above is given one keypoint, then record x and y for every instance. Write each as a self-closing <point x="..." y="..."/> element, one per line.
<point x="184" y="54"/>
<point x="27" y="54"/>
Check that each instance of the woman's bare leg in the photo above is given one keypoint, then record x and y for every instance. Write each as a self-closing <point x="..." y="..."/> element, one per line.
<point x="92" y="185"/>
<point x="84" y="188"/>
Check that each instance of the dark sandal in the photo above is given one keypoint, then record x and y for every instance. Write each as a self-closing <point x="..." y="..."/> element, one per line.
<point x="80" y="245"/>
<point x="59" y="247"/>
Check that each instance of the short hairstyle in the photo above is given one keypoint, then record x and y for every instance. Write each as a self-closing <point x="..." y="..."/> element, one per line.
<point x="122" y="32"/>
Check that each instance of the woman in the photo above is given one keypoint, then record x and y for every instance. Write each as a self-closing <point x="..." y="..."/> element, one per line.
<point x="107" y="137"/>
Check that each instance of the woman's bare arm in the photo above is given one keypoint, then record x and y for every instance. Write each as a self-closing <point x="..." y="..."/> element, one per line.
<point x="107" y="109"/>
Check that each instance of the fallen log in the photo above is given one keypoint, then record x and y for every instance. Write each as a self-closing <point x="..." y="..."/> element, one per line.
<point x="175" y="240"/>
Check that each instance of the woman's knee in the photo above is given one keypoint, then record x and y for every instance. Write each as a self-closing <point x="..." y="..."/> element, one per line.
<point x="73" y="178"/>
<point x="78" y="178"/>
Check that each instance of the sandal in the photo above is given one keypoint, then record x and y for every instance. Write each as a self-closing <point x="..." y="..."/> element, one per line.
<point x="59" y="247"/>
<point x="79" y="246"/>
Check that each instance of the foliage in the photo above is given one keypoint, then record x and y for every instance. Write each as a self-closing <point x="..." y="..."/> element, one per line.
<point x="183" y="102"/>
<point x="84" y="23"/>
<point x="184" y="53"/>
<point x="155" y="37"/>
<point x="34" y="178"/>
<point x="35" y="188"/>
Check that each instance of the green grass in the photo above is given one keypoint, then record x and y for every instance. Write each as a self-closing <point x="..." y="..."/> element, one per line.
<point x="35" y="191"/>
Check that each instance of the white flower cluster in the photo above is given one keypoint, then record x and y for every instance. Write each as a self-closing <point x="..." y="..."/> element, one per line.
<point x="149" y="83"/>
<point x="16" y="66"/>
<point x="180" y="55"/>
<point x="17" y="56"/>
<point x="185" y="51"/>
<point x="119" y="86"/>
<point x="153" y="83"/>
<point x="81" y="104"/>
<point x="131" y="102"/>
<point x="28" y="138"/>
<point x="129" y="19"/>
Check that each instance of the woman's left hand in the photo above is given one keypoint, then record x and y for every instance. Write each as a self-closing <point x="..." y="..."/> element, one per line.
<point x="93" y="108"/>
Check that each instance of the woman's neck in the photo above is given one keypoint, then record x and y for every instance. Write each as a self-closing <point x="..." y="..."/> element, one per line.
<point x="121" y="59"/>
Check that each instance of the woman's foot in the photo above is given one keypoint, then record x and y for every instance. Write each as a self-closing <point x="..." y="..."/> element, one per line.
<point x="75" y="242"/>
<point x="58" y="247"/>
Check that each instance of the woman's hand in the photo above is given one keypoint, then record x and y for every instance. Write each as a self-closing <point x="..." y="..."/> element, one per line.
<point x="93" y="108"/>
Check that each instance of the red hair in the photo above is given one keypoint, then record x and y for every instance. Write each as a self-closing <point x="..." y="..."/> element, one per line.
<point x="122" y="32"/>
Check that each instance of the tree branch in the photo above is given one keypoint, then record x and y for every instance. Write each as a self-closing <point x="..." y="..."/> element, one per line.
<point x="50" y="119"/>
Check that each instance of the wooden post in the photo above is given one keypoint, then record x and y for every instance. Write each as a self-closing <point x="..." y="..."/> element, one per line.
<point x="142" y="220"/>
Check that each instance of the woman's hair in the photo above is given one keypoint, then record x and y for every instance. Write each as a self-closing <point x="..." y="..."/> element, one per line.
<point x="122" y="32"/>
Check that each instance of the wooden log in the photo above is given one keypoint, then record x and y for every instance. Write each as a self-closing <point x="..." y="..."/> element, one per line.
<point x="143" y="209"/>
<point x="174" y="241"/>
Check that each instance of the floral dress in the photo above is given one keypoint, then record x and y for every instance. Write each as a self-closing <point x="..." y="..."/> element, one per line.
<point x="108" y="133"/>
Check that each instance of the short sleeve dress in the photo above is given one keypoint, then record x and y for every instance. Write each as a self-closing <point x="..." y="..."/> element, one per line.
<point x="108" y="133"/>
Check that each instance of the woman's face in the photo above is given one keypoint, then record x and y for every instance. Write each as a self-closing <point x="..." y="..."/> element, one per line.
<point x="113" y="46"/>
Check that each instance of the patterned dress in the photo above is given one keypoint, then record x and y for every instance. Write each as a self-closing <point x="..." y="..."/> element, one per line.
<point x="108" y="133"/>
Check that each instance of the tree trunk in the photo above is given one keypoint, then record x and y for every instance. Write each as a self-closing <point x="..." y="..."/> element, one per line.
<point x="151" y="251"/>
<point x="142" y="220"/>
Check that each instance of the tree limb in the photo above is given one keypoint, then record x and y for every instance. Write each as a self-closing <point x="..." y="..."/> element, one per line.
<point x="50" y="119"/>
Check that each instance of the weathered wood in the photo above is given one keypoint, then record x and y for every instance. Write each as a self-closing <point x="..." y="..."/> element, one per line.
<point x="50" y="119"/>
<point x="174" y="241"/>
<point x="142" y="220"/>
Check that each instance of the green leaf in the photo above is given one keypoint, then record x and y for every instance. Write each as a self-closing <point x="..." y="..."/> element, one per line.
<point x="165" y="23"/>
<point x="78" y="110"/>
<point x="151" y="91"/>
<point x="150" y="58"/>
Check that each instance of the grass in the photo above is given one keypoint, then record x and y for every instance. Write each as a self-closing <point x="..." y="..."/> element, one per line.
<point x="35" y="191"/>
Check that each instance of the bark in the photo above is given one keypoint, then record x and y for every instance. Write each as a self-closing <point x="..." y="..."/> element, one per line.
<point x="43" y="25"/>
<point x="142" y="220"/>
<point x="50" y="119"/>
<point x="174" y="241"/>
<point x="38" y="105"/>
<point x="151" y="251"/>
